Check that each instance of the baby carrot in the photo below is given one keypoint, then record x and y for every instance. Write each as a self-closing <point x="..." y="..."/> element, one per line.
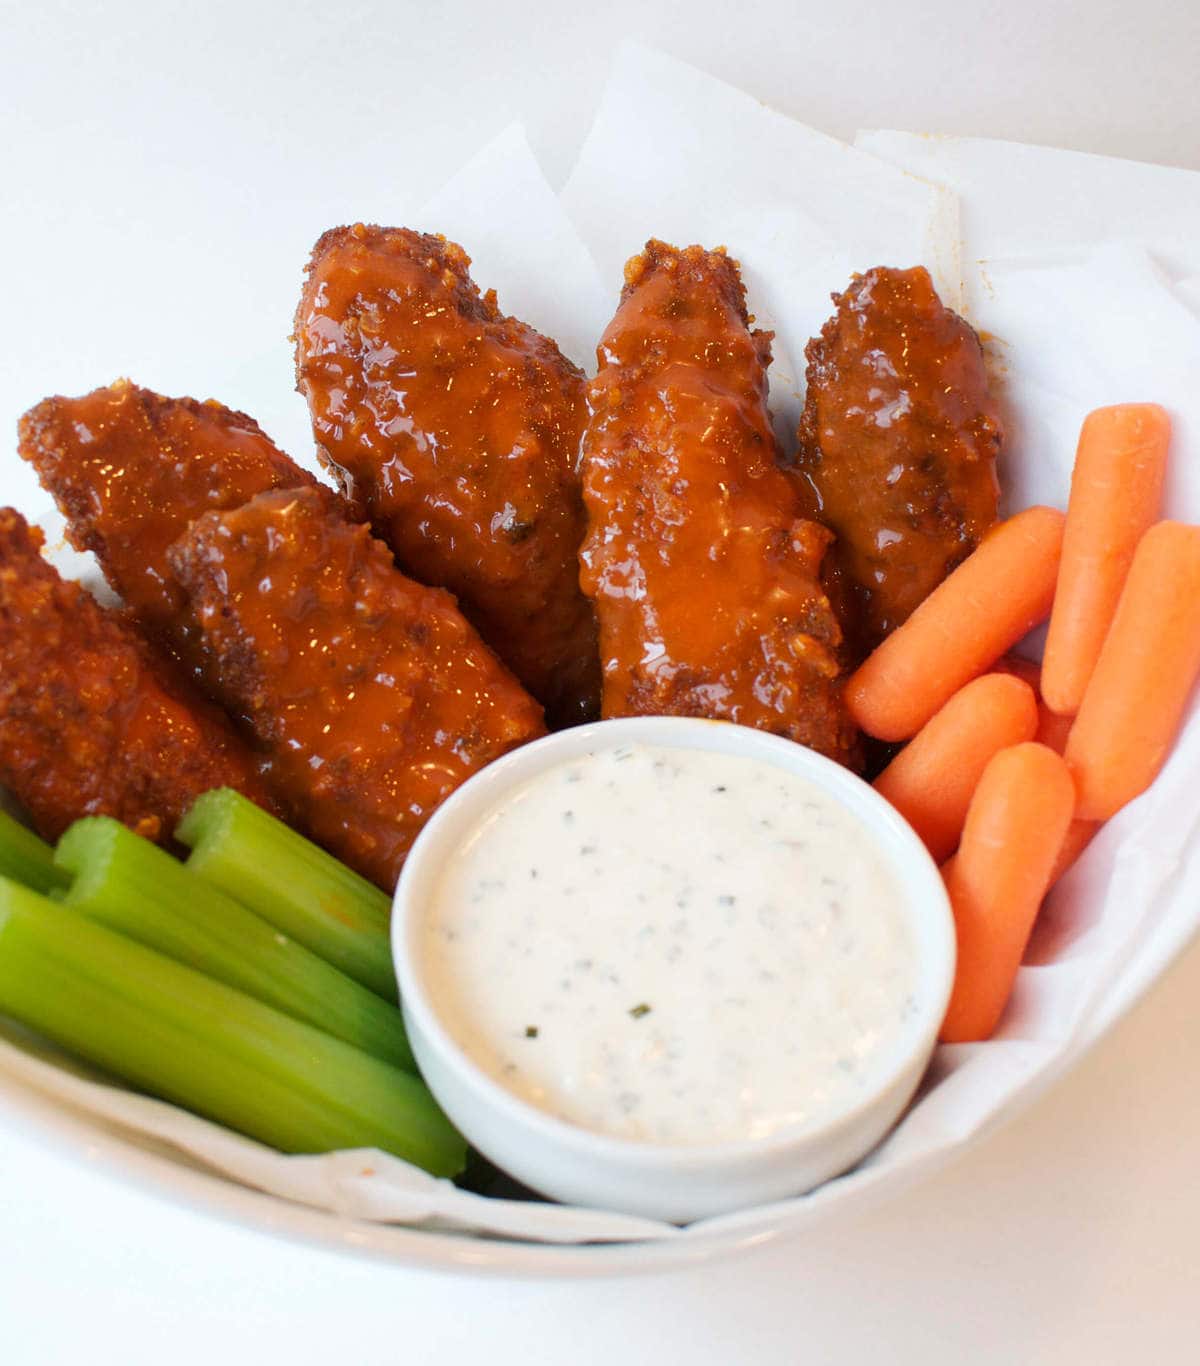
<point x="1116" y="489"/>
<point x="931" y="780"/>
<point x="990" y="601"/>
<point x="1150" y="660"/>
<point x="1052" y="728"/>
<point x="1015" y="828"/>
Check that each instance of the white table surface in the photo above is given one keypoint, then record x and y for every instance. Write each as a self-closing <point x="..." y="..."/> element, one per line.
<point x="166" y="166"/>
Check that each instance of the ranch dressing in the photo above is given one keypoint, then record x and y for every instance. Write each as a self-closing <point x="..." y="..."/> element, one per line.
<point x="673" y="946"/>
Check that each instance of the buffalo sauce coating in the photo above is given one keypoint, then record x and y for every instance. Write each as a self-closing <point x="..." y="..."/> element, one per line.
<point x="898" y="445"/>
<point x="704" y="575"/>
<point x="370" y="694"/>
<point x="91" y="721"/>
<point x="130" y="469"/>
<point x="459" y="429"/>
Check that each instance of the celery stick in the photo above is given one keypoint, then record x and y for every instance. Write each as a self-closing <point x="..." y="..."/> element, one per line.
<point x="287" y="880"/>
<point x="134" y="887"/>
<point x="182" y="1036"/>
<point x="26" y="858"/>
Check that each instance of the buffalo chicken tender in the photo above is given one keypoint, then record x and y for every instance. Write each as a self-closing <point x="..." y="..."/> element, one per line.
<point x="898" y="445"/>
<point x="370" y="694"/>
<point x="704" y="574"/>
<point x="130" y="470"/>
<point x="92" y="721"/>
<point x="458" y="429"/>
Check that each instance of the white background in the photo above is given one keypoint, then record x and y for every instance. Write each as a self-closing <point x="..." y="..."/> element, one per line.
<point x="163" y="171"/>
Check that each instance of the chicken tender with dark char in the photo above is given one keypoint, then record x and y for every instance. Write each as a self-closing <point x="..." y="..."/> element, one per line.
<point x="92" y="721"/>
<point x="458" y="429"/>
<point x="130" y="469"/>
<point x="704" y="573"/>
<point x="898" y="446"/>
<point x="371" y="696"/>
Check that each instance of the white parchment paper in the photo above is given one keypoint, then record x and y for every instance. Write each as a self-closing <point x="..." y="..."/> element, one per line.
<point x="1016" y="197"/>
<point x="1083" y="275"/>
<point x="678" y="155"/>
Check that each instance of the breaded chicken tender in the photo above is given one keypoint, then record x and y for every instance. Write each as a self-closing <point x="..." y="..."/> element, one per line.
<point x="704" y="573"/>
<point x="370" y="694"/>
<point x="458" y="429"/>
<point x="92" y="721"/>
<point x="130" y="469"/>
<point x="898" y="446"/>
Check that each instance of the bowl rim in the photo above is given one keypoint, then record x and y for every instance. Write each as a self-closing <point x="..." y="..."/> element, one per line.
<point x="176" y="1182"/>
<point x="113" y="1154"/>
<point x="106" y="1150"/>
<point x="925" y="909"/>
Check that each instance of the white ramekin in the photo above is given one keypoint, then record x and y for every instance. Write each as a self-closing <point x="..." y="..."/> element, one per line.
<point x="677" y="1183"/>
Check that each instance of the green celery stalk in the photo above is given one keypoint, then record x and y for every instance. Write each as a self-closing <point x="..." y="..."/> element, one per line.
<point x="26" y="858"/>
<point x="182" y="1036"/>
<point x="299" y="888"/>
<point x="138" y="889"/>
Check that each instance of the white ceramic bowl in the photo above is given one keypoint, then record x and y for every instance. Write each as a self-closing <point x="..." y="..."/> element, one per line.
<point x="660" y="1181"/>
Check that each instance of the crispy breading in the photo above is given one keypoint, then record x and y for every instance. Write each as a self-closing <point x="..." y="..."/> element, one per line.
<point x="370" y="694"/>
<point x="704" y="574"/>
<point x="459" y="430"/>
<point x="130" y="469"/>
<point x="93" y="721"/>
<point x="898" y="446"/>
